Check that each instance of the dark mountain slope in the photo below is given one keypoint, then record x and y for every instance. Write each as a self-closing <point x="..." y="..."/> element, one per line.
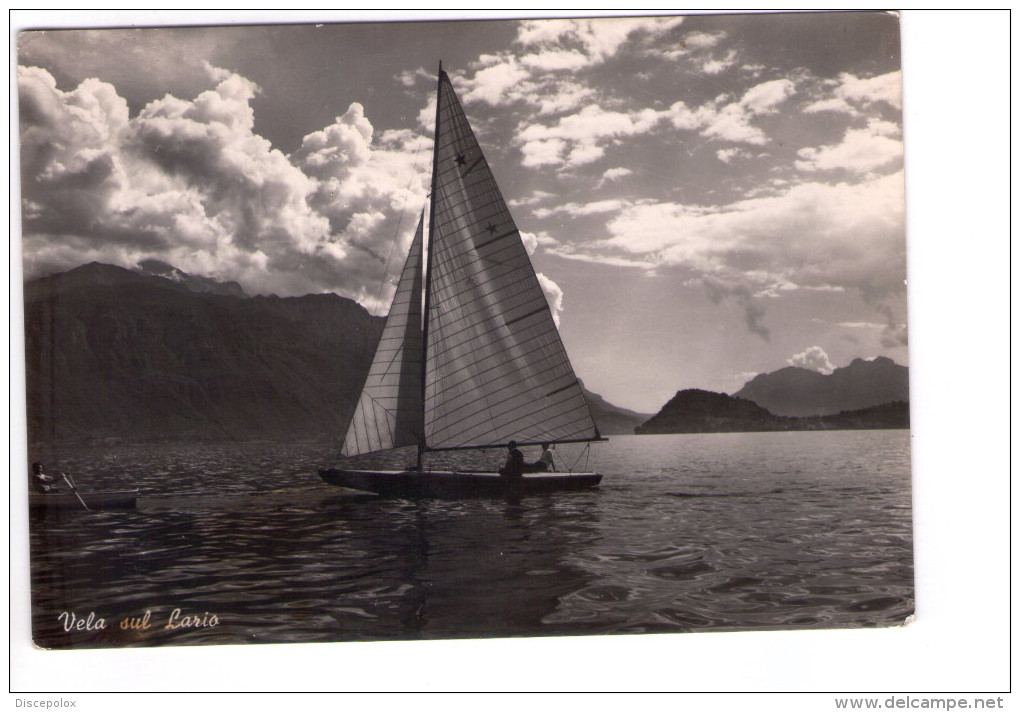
<point x="163" y="355"/>
<point x="113" y="353"/>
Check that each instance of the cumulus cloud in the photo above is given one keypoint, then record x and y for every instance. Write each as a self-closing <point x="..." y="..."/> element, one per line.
<point x="696" y="46"/>
<point x="718" y="65"/>
<point x="548" y="78"/>
<point x="813" y="358"/>
<point x="538" y="196"/>
<point x="765" y="97"/>
<point x="492" y="84"/>
<point x="70" y="156"/>
<point x="594" y="39"/>
<point x="862" y="150"/>
<point x="728" y="120"/>
<point x="553" y="295"/>
<point x="409" y="78"/>
<point x="580" y="138"/>
<point x="189" y="182"/>
<point x="583" y="253"/>
<point x="837" y="237"/>
<point x="885" y="88"/>
<point x="580" y="209"/>
<point x="555" y="60"/>
<point x="851" y="93"/>
<point x="553" y="292"/>
<point x="703" y="40"/>
<point x="808" y="235"/>
<point x="611" y="175"/>
<point x="726" y="155"/>
<point x="544" y="75"/>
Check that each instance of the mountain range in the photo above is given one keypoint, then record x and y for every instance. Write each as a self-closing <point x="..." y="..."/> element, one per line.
<point x="696" y="411"/>
<point x="801" y="392"/>
<point x="156" y="354"/>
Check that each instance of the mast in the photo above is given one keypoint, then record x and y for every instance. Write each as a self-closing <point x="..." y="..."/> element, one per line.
<point x="428" y="262"/>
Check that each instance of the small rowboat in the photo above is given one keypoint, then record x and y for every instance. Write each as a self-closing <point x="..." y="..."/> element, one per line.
<point x="110" y="499"/>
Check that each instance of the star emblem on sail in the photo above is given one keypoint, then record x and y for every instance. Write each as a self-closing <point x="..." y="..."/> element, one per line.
<point x="495" y="368"/>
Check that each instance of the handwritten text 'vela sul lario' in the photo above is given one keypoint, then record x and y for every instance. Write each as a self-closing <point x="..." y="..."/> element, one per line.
<point x="177" y="621"/>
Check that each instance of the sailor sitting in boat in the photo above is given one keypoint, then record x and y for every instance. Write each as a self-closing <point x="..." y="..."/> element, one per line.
<point x="545" y="462"/>
<point x="514" y="466"/>
<point x="41" y="482"/>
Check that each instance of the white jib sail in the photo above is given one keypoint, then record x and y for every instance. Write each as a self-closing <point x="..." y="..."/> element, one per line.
<point x="496" y="367"/>
<point x="389" y="413"/>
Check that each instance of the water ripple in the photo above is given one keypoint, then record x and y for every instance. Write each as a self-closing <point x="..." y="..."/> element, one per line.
<point x="688" y="533"/>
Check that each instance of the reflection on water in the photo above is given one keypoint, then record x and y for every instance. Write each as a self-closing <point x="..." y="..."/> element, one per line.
<point x="687" y="533"/>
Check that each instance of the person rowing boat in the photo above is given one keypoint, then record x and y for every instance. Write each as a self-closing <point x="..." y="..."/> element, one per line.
<point x="41" y="482"/>
<point x="49" y="484"/>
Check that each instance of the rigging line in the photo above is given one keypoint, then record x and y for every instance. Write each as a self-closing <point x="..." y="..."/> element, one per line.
<point x="396" y="234"/>
<point x="584" y="454"/>
<point x="395" y="412"/>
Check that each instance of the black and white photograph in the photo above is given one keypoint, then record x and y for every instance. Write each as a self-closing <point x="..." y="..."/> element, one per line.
<point x="353" y="332"/>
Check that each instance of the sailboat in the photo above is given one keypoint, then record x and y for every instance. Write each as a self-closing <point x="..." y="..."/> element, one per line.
<point x="483" y="365"/>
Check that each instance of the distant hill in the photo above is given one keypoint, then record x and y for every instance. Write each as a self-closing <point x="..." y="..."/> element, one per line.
<point x="157" y="354"/>
<point x="611" y="419"/>
<point x="801" y="392"/>
<point x="697" y="411"/>
<point x="117" y="354"/>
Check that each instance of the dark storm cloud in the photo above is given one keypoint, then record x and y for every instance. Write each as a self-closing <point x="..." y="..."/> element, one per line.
<point x="190" y="182"/>
<point x="753" y="310"/>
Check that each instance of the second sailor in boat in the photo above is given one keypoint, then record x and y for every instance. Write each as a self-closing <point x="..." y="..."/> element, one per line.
<point x="514" y="466"/>
<point x="545" y="462"/>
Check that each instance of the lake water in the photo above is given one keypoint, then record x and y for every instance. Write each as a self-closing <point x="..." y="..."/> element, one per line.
<point x="687" y="533"/>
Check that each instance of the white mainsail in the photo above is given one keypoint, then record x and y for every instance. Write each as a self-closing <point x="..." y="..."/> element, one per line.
<point x="496" y="369"/>
<point x="389" y="412"/>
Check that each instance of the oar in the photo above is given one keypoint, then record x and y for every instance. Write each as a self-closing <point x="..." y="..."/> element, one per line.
<point x="74" y="489"/>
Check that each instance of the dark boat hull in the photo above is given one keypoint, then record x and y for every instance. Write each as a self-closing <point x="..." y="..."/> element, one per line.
<point x="457" y="485"/>
<point x="119" y="499"/>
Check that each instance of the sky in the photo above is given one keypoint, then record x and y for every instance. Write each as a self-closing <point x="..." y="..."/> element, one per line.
<point x="705" y="198"/>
